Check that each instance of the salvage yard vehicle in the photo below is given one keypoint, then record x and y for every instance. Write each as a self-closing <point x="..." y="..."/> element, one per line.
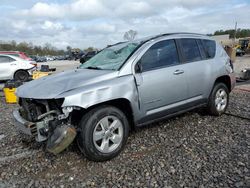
<point x="240" y="52"/>
<point x="16" y="53"/>
<point x="13" y="67"/>
<point x="125" y="85"/>
<point x="87" y="56"/>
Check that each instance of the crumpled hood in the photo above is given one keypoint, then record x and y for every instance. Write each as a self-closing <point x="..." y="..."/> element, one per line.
<point x="51" y="86"/>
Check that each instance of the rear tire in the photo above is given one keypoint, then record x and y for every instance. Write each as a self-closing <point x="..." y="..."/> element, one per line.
<point x="103" y="133"/>
<point x="218" y="100"/>
<point x="21" y="75"/>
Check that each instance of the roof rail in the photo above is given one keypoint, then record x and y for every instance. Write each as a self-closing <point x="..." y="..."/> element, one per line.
<point x="157" y="36"/>
<point x="178" y="33"/>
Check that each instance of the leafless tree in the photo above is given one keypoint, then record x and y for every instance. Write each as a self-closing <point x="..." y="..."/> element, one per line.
<point x="130" y="35"/>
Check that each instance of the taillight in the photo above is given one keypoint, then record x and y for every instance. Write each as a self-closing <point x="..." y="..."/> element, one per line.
<point x="231" y="64"/>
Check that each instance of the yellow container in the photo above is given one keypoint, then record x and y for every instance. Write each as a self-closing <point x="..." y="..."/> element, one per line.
<point x="10" y="95"/>
<point x="39" y="74"/>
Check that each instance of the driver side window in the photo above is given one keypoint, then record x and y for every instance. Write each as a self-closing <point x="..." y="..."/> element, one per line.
<point x="161" y="54"/>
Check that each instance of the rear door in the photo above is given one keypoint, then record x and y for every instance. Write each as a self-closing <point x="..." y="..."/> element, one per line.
<point x="7" y="67"/>
<point x="163" y="80"/>
<point x="198" y="67"/>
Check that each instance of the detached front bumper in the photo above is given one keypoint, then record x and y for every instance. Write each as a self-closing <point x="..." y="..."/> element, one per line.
<point x="58" y="139"/>
<point x="24" y="126"/>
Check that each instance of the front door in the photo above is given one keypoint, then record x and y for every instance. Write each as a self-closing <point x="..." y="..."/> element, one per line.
<point x="163" y="84"/>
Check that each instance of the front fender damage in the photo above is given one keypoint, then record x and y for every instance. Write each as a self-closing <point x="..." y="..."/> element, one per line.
<point x="123" y="87"/>
<point x="119" y="88"/>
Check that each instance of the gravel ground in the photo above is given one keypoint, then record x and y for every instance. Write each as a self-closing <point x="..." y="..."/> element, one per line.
<point x="61" y="65"/>
<point x="191" y="150"/>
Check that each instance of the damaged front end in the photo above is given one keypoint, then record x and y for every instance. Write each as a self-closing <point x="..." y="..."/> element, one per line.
<point x="46" y="120"/>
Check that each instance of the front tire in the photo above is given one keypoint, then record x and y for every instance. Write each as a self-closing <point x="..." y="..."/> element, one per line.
<point x="218" y="100"/>
<point x="103" y="133"/>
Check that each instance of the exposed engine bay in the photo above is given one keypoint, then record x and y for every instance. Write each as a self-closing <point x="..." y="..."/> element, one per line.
<point x="48" y="121"/>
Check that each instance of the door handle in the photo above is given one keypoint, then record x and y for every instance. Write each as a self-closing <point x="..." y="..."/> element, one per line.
<point x="178" y="72"/>
<point x="13" y="64"/>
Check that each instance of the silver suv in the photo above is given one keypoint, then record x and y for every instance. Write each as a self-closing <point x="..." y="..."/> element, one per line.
<point x="125" y="85"/>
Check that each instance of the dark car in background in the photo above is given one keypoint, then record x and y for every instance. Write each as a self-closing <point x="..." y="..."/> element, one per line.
<point x="87" y="56"/>
<point x="38" y="58"/>
<point x="240" y="52"/>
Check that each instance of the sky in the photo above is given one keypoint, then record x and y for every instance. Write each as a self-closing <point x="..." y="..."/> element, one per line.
<point x="97" y="23"/>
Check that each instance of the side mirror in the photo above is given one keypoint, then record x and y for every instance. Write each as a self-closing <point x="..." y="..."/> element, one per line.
<point x="138" y="67"/>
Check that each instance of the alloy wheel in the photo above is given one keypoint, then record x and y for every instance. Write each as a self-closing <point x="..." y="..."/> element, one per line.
<point x="108" y="134"/>
<point x="221" y="100"/>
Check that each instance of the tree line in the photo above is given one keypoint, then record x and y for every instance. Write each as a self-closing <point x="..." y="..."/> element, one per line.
<point x="240" y="33"/>
<point x="30" y="49"/>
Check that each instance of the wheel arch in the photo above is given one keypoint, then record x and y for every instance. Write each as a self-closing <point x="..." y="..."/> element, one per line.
<point x="226" y="80"/>
<point x="18" y="71"/>
<point x="121" y="103"/>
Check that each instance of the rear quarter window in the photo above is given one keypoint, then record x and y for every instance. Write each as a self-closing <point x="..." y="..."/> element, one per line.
<point x="190" y="50"/>
<point x="210" y="48"/>
<point x="5" y="59"/>
<point x="17" y="55"/>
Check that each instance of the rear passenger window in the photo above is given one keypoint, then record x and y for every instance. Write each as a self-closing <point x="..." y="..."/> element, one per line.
<point x="202" y="50"/>
<point x="209" y="46"/>
<point x="17" y="55"/>
<point x="161" y="54"/>
<point x="11" y="59"/>
<point x="190" y="50"/>
<point x="5" y="59"/>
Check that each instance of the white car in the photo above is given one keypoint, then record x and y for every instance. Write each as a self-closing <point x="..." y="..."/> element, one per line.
<point x="12" y="67"/>
<point x="49" y="58"/>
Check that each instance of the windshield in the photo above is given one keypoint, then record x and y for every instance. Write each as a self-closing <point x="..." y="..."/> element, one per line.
<point x="111" y="58"/>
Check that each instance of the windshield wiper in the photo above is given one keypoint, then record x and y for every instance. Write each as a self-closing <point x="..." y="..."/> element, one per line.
<point x="92" y="67"/>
